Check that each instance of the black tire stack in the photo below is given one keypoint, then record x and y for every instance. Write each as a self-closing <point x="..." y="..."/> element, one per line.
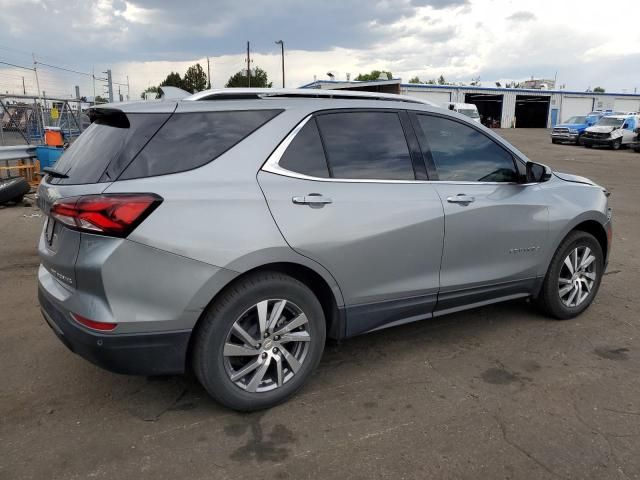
<point x="13" y="189"/>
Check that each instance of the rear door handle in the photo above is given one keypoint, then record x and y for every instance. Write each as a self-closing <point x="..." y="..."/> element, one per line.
<point x="311" y="199"/>
<point x="461" y="198"/>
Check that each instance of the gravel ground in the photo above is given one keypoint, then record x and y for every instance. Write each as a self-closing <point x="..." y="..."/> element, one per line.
<point x="497" y="392"/>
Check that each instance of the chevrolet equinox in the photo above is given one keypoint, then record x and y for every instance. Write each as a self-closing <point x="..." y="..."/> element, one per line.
<point x="232" y="231"/>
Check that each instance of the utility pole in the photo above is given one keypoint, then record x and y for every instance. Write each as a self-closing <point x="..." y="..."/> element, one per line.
<point x="24" y="90"/>
<point x="35" y="69"/>
<point x="128" y="90"/>
<point x="93" y="76"/>
<point x="248" y="66"/>
<point x="109" y="85"/>
<point x="208" y="74"/>
<point x="281" y="43"/>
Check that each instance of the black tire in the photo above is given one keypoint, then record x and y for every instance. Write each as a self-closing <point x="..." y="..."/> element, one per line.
<point x="579" y="140"/>
<point x="553" y="140"/>
<point x="616" y="144"/>
<point x="219" y="318"/>
<point x="588" y="145"/>
<point x="13" y="189"/>
<point x="549" y="299"/>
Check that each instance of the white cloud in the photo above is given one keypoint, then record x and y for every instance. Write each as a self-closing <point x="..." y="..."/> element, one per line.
<point x="493" y="39"/>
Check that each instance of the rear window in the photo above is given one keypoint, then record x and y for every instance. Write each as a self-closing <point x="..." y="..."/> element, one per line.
<point x="190" y="140"/>
<point x="106" y="147"/>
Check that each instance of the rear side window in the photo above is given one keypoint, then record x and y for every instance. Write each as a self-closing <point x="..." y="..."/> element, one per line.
<point x="366" y="145"/>
<point x="462" y="153"/>
<point x="305" y="153"/>
<point x="190" y="140"/>
<point x="106" y="147"/>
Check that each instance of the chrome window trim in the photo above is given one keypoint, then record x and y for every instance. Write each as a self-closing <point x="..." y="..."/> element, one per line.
<point x="272" y="166"/>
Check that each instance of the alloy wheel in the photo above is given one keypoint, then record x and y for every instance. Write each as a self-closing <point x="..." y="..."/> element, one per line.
<point x="266" y="345"/>
<point x="577" y="276"/>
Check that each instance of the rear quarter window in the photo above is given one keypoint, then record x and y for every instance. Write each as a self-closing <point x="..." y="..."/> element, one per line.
<point x="190" y="140"/>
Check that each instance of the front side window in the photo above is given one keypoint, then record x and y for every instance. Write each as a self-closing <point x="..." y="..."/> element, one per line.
<point x="366" y="145"/>
<point x="462" y="153"/>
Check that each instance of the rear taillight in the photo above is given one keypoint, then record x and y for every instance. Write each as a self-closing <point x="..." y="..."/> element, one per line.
<point x="93" y="325"/>
<point x="110" y="214"/>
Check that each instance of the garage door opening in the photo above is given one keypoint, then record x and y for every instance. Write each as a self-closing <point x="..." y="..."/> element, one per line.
<point x="532" y="111"/>
<point x="489" y="107"/>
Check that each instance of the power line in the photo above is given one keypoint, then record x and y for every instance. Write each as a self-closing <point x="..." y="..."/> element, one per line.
<point x="17" y="66"/>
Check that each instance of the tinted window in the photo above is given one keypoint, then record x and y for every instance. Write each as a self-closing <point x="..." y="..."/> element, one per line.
<point x="106" y="147"/>
<point x="461" y="153"/>
<point x="190" y="140"/>
<point x="305" y="153"/>
<point x="366" y="145"/>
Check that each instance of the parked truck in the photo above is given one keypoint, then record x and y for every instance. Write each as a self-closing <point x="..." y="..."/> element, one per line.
<point x="571" y="131"/>
<point x="613" y="131"/>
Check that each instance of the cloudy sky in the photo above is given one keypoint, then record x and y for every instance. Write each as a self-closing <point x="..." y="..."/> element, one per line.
<point x="497" y="40"/>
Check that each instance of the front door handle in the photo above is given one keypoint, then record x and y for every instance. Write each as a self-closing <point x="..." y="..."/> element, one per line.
<point x="461" y="198"/>
<point x="313" y="199"/>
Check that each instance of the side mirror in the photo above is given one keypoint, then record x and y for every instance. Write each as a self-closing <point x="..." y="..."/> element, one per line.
<point x="537" y="173"/>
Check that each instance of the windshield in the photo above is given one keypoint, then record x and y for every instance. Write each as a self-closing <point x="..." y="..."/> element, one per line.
<point x="577" y="120"/>
<point x="469" y="112"/>
<point x="610" y="122"/>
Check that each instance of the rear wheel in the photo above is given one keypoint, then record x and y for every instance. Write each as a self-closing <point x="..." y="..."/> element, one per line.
<point x="574" y="276"/>
<point x="259" y="342"/>
<point x="588" y="145"/>
<point x="578" y="140"/>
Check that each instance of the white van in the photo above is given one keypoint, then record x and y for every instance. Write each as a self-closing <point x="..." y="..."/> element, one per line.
<point x="468" y="109"/>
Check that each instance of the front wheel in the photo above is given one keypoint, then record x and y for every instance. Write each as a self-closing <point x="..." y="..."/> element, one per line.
<point x="574" y="276"/>
<point x="259" y="342"/>
<point x="616" y="144"/>
<point x="588" y="145"/>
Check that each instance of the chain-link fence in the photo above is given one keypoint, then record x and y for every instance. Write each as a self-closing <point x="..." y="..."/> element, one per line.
<point x="23" y="118"/>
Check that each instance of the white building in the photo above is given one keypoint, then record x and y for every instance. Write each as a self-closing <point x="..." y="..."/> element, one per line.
<point x="507" y="107"/>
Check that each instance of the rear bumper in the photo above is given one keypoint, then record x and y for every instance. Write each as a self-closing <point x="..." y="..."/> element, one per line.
<point x="158" y="353"/>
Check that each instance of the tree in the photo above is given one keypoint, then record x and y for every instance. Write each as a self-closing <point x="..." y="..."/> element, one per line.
<point x="100" y="99"/>
<point x="374" y="75"/>
<point x="598" y="90"/>
<point x="441" y="80"/>
<point x="195" y="80"/>
<point x="415" y="79"/>
<point x="152" y="91"/>
<point x="172" y="80"/>
<point x="258" y="79"/>
<point x="431" y="81"/>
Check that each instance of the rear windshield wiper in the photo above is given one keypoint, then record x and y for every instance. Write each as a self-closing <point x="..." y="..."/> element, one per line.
<point x="54" y="173"/>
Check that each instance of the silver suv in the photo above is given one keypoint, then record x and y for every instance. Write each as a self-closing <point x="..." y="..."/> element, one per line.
<point x="232" y="231"/>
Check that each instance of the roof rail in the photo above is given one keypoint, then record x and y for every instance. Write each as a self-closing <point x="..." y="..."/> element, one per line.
<point x="262" y="93"/>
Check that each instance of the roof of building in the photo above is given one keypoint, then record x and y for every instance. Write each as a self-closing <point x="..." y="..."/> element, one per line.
<point x="339" y="84"/>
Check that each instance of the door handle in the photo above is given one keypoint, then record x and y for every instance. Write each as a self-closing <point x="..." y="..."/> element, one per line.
<point x="313" y="199"/>
<point x="461" y="198"/>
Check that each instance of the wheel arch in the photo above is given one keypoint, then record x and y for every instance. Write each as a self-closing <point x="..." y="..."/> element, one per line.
<point x="590" y="222"/>
<point x="331" y="304"/>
